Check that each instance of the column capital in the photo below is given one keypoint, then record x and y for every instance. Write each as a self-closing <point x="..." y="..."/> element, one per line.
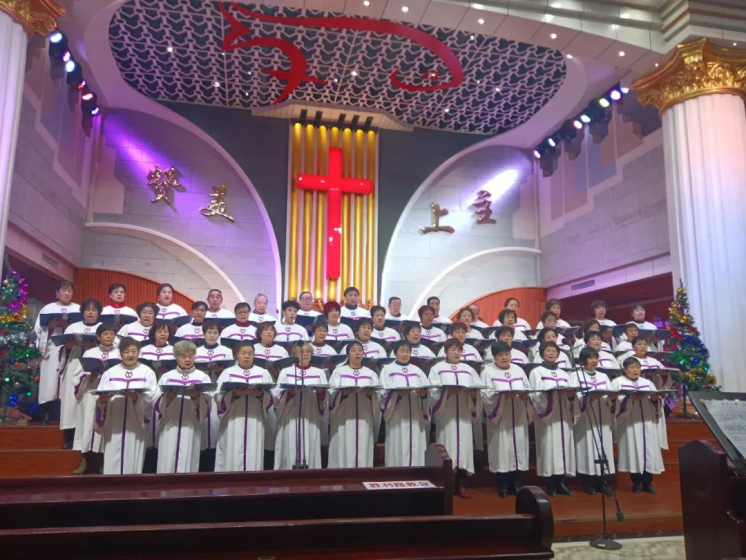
<point x="696" y="68"/>
<point x="35" y="16"/>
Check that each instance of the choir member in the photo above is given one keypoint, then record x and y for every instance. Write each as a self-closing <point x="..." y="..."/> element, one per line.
<point x="394" y="312"/>
<point x="193" y="330"/>
<point x="87" y="441"/>
<point x="319" y="330"/>
<point x="215" y="306"/>
<point x="180" y="416"/>
<point x="354" y="414"/>
<point x="508" y="414"/>
<point x="266" y="348"/>
<point x="429" y="330"/>
<point x="592" y="325"/>
<point x="406" y="412"/>
<point x="478" y="322"/>
<point x="120" y="418"/>
<point x="305" y="299"/>
<point x="380" y="330"/>
<point x="288" y="330"/>
<point x="413" y="334"/>
<point x="467" y="317"/>
<point x="606" y="360"/>
<point x="242" y="329"/>
<point x="509" y="318"/>
<point x="505" y="334"/>
<point x="599" y="309"/>
<point x="556" y="410"/>
<point x="638" y="316"/>
<point x="553" y="306"/>
<point x="637" y="416"/>
<point x="300" y="409"/>
<point x="337" y="331"/>
<point x="662" y="380"/>
<point x="520" y="324"/>
<point x="351" y="309"/>
<point x="592" y="430"/>
<point x="468" y="352"/>
<point x="117" y="294"/>
<point x="548" y="334"/>
<point x="624" y="347"/>
<point x="244" y="413"/>
<point x="260" y="315"/>
<point x="49" y="367"/>
<point x="363" y="331"/>
<point x="434" y="302"/>
<point x="158" y="349"/>
<point x="140" y="329"/>
<point x="71" y="352"/>
<point x="167" y="309"/>
<point x="452" y="409"/>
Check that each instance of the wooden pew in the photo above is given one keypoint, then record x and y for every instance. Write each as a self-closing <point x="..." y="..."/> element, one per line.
<point x="72" y="501"/>
<point x="527" y="534"/>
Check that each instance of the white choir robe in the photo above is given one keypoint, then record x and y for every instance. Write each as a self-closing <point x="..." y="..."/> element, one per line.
<point x="594" y="424"/>
<point x="480" y="324"/>
<point x="172" y="311"/>
<point x="627" y="351"/>
<point x="400" y="318"/>
<point x="452" y="411"/>
<point x="261" y="318"/>
<point x="516" y="356"/>
<point x="387" y="333"/>
<point x="474" y="334"/>
<point x="340" y="332"/>
<point x="155" y="353"/>
<point x="606" y="323"/>
<point x="580" y="344"/>
<point x="243" y="421"/>
<point x="238" y="332"/>
<point x="662" y="382"/>
<point x="561" y="324"/>
<point x="438" y="320"/>
<point x="637" y="430"/>
<point x="51" y="365"/>
<point x="434" y="334"/>
<point x="180" y="422"/>
<point x="86" y="439"/>
<point x="562" y="361"/>
<point x="219" y="314"/>
<point x="69" y="359"/>
<point x="354" y="314"/>
<point x="124" y="310"/>
<point x="507" y="418"/>
<point x="309" y="313"/>
<point x="205" y="355"/>
<point x="407" y="416"/>
<point x="324" y="351"/>
<point x="371" y="350"/>
<point x="302" y="413"/>
<point x="190" y="331"/>
<point x="519" y="326"/>
<point x="644" y="326"/>
<point x="135" y="330"/>
<point x="419" y="351"/>
<point x="533" y="351"/>
<point x="354" y="418"/>
<point x="121" y="421"/>
<point x="290" y="333"/>
<point x="271" y="353"/>
<point x="555" y="444"/>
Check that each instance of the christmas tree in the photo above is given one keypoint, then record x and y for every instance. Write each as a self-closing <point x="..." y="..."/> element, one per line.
<point x="19" y="358"/>
<point x="688" y="352"/>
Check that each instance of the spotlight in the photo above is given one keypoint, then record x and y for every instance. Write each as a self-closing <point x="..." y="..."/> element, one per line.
<point x="577" y="124"/>
<point x="57" y="45"/>
<point x="616" y="95"/>
<point x="604" y="102"/>
<point x="537" y="154"/>
<point x="625" y="90"/>
<point x="95" y="111"/>
<point x="75" y="76"/>
<point x="551" y="142"/>
<point x="82" y="84"/>
<point x="70" y="66"/>
<point x="89" y="102"/>
<point x="66" y="56"/>
<point x="56" y="37"/>
<point x="585" y="118"/>
<point x="87" y="96"/>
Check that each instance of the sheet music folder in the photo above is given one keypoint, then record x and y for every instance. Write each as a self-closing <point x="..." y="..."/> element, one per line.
<point x="698" y="399"/>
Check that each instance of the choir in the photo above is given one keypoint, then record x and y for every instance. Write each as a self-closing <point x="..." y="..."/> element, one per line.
<point x="244" y="391"/>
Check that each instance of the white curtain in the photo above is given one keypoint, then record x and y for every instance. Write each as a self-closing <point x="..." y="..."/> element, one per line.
<point x="705" y="151"/>
<point x="13" y="44"/>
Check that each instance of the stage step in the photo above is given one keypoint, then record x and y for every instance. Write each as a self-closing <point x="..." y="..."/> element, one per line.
<point x="33" y="437"/>
<point x="57" y="462"/>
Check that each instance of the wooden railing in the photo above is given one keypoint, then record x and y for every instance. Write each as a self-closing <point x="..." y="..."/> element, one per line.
<point x="95" y="282"/>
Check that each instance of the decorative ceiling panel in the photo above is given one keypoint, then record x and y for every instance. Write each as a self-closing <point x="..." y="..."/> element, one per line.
<point x="178" y="50"/>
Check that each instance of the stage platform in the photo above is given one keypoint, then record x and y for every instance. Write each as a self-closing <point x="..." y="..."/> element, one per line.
<point x="35" y="450"/>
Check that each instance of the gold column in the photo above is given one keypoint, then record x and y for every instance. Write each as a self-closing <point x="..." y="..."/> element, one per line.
<point x="295" y="162"/>
<point x="308" y="167"/>
<point x="697" y="68"/>
<point x="35" y="16"/>
<point x="332" y="283"/>
<point x="358" y="255"/>
<point x="346" y="208"/>
<point x="370" y="221"/>
<point x="323" y="155"/>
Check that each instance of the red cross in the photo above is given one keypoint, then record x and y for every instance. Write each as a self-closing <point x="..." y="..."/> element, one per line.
<point x="335" y="185"/>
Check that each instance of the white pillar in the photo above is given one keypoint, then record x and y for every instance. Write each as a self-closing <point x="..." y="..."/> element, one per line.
<point x="13" y="44"/>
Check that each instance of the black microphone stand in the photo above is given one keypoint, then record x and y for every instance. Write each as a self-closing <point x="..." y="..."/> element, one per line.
<point x="300" y="432"/>
<point x="604" y="543"/>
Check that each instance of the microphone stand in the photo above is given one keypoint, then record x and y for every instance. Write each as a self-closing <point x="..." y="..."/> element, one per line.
<point x="300" y="432"/>
<point x="604" y="543"/>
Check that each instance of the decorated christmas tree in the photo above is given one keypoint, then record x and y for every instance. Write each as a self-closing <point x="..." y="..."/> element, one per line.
<point x="688" y="352"/>
<point x="19" y="358"/>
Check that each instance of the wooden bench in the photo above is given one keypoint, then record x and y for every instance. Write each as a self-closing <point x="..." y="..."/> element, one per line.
<point x="527" y="534"/>
<point x="69" y="501"/>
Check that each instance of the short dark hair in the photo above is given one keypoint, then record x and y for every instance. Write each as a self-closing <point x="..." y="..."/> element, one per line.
<point x="103" y="327"/>
<point x="399" y="343"/>
<point x="551" y="303"/>
<point x="598" y="303"/>
<point x="198" y="304"/>
<point x="499" y="347"/>
<point x="503" y="330"/>
<point x="126" y="342"/>
<point x="261" y="327"/>
<point x="638" y="306"/>
<point x="330" y="306"/>
<point x="462" y="310"/>
<point x="65" y="284"/>
<point x="244" y="344"/>
<point x="451" y="342"/>
<point x="91" y="302"/>
<point x="507" y="301"/>
<point x="363" y="321"/>
<point x="376" y="308"/>
<point x="319" y="324"/>
<point x="590" y="334"/>
<point x="209" y="325"/>
<point x="547" y="314"/>
<point x="241" y="305"/>
<point x="457" y="325"/>
<point x="409" y="326"/>
<point x="504" y="313"/>
<point x="351" y="289"/>
<point x="543" y="332"/>
<point x="351" y="345"/>
<point x="630" y="361"/>
<point x="154" y="329"/>
<point x="589" y="323"/>
<point x="638" y="339"/>
<point x="144" y="305"/>
<point x="586" y="354"/>
<point x="300" y="295"/>
<point x="161" y="287"/>
<point x="290" y="303"/>
<point x="392" y="298"/>
<point x="544" y="345"/>
<point x="423" y="308"/>
<point x="211" y="290"/>
<point x="116" y="285"/>
<point x="431" y="298"/>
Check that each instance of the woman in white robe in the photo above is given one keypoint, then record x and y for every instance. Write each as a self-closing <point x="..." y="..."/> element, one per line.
<point x="662" y="380"/>
<point x="266" y="349"/>
<point x="412" y="332"/>
<point x="592" y="431"/>
<point x="181" y="415"/>
<point x="549" y="334"/>
<point x="521" y="325"/>
<point x="321" y="349"/>
<point x="336" y="331"/>
<point x="140" y="329"/>
<point x="120" y="417"/>
<point x="637" y="418"/>
<point x="468" y="318"/>
<point x="452" y="410"/>
<point x="354" y="411"/>
<point x="405" y="410"/>
<point x="508" y="415"/>
<point x="363" y="331"/>
<point x="167" y="309"/>
<point x="555" y="411"/>
<point x="300" y="408"/>
<point x="429" y="330"/>
<point x="509" y="318"/>
<point x="380" y="330"/>
<point x="506" y="335"/>
<point x="243" y="414"/>
<point x="51" y="365"/>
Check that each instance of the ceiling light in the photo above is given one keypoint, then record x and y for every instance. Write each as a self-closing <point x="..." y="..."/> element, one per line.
<point x="553" y="36"/>
<point x="471" y="38"/>
<point x="216" y="84"/>
<point x="353" y="73"/>
<point x="616" y="95"/>
<point x="557" y="5"/>
<point x="548" y="17"/>
<point x="480" y="21"/>
<point x="625" y="90"/>
<point x="95" y="110"/>
<point x="585" y="118"/>
<point x="604" y="102"/>
<point x="55" y="37"/>
<point x="66" y="56"/>
<point x="625" y="15"/>
<point x="447" y="110"/>
<point x="336" y="80"/>
<point x="656" y="65"/>
<point x="366" y="3"/>
<point x="248" y="73"/>
<point x="577" y="124"/>
<point x="537" y="154"/>
<point x="552" y="143"/>
<point x="405" y="9"/>
<point x="87" y="96"/>
<point x="479" y="81"/>
<point x="614" y="26"/>
<point x="497" y="89"/>
<point x="477" y="6"/>
<point x="169" y="49"/>
<point x="570" y="56"/>
<point x="246" y="93"/>
<point x="735" y="44"/>
<point x="69" y="66"/>
<point x="622" y="53"/>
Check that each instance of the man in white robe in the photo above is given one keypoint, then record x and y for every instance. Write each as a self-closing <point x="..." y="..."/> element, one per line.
<point x="214" y="306"/>
<point x="260" y="315"/>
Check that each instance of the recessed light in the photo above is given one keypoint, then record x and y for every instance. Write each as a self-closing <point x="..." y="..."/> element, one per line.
<point x="366" y="3"/>
<point x="557" y="5"/>
<point x="447" y="110"/>
<point x="223" y="54"/>
<point x="656" y="65"/>
<point x="169" y="49"/>
<point x="477" y="6"/>
<point x="336" y="80"/>
<point x="614" y="26"/>
<point x="553" y="36"/>
<point x="471" y="38"/>
<point x="497" y="89"/>
<point x="405" y="9"/>
<point x="246" y="93"/>
<point x="622" y="53"/>
<point x="480" y="21"/>
<point x="353" y="73"/>
<point x="216" y="84"/>
<point x="735" y="44"/>
<point x="570" y="56"/>
<point x="548" y="17"/>
<point x="625" y="15"/>
<point x="479" y="81"/>
<point x="249" y="72"/>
